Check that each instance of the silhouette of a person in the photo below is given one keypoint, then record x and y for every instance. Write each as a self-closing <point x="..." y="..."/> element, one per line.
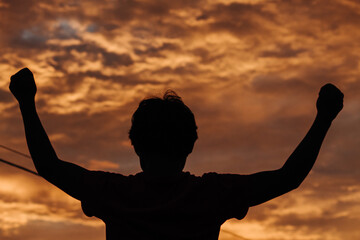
<point x="163" y="202"/>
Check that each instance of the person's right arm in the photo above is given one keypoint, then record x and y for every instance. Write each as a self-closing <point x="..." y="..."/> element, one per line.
<point x="67" y="176"/>
<point x="264" y="186"/>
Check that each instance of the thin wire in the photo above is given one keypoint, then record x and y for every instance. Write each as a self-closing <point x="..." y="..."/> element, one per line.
<point x="19" y="167"/>
<point x="233" y="234"/>
<point x="15" y="165"/>
<point x="15" y="151"/>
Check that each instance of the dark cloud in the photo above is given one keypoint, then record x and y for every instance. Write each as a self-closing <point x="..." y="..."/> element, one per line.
<point x="187" y="69"/>
<point x="206" y="56"/>
<point x="238" y="18"/>
<point x="282" y="51"/>
<point x="250" y="73"/>
<point x="273" y="84"/>
<point x="113" y="59"/>
<point x="5" y="96"/>
<point x="96" y="136"/>
<point x="41" y="229"/>
<point x="95" y="52"/>
<point x="152" y="51"/>
<point x="321" y="224"/>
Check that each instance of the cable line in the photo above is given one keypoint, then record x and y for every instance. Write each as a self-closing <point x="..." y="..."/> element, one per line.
<point x="15" y="165"/>
<point x="15" y="151"/>
<point x="233" y="234"/>
<point x="19" y="167"/>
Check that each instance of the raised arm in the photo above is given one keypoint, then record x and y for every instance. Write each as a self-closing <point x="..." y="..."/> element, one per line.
<point x="66" y="176"/>
<point x="264" y="186"/>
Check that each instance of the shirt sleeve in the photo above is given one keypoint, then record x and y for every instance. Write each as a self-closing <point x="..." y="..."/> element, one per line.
<point x="232" y="194"/>
<point x="98" y="187"/>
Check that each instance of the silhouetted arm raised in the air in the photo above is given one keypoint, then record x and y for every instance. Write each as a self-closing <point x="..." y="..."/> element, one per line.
<point x="264" y="186"/>
<point x="65" y="175"/>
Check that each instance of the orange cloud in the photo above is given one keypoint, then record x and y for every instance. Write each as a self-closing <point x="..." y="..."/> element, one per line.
<point x="249" y="70"/>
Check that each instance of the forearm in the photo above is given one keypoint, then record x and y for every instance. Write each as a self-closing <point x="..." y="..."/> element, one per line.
<point x="303" y="158"/>
<point x="38" y="142"/>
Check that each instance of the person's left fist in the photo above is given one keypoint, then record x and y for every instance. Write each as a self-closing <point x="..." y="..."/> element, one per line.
<point x="330" y="102"/>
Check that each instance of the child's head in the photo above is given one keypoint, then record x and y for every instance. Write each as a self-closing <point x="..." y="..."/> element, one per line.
<point x="163" y="133"/>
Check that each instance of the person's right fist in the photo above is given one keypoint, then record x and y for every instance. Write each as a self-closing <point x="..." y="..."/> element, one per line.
<point x="22" y="85"/>
<point x="330" y="102"/>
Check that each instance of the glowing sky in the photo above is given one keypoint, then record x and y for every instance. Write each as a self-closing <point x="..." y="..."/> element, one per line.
<point x="249" y="69"/>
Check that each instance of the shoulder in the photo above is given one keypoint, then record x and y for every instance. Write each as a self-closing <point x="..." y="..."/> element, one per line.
<point x="103" y="174"/>
<point x="228" y="191"/>
<point x="226" y="181"/>
<point x="213" y="176"/>
<point x="102" y="178"/>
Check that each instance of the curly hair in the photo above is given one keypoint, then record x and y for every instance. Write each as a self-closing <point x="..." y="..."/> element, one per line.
<point x="163" y="126"/>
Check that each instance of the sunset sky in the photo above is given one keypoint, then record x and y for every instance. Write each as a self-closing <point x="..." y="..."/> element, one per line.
<point x="250" y="70"/>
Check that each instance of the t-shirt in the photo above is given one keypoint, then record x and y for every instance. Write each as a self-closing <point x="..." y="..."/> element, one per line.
<point x="178" y="207"/>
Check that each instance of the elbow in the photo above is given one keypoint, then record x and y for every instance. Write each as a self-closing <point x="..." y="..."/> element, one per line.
<point x="43" y="171"/>
<point x="293" y="181"/>
<point x="46" y="168"/>
<point x="290" y="186"/>
<point x="295" y="184"/>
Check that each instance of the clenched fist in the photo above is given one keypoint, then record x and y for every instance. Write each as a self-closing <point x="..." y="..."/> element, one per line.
<point x="22" y="86"/>
<point x="330" y="102"/>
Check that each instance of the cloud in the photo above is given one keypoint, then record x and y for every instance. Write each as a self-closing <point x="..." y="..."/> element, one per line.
<point x="96" y="165"/>
<point x="282" y="51"/>
<point x="249" y="70"/>
<point x="5" y="97"/>
<point x="42" y="229"/>
<point x="25" y="200"/>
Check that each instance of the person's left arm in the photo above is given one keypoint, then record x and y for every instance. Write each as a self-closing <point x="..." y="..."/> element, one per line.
<point x="264" y="186"/>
